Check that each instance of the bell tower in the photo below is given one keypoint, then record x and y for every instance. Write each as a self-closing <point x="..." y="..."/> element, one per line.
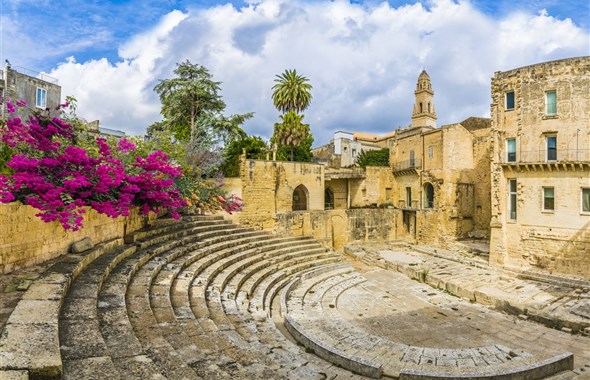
<point x="424" y="114"/>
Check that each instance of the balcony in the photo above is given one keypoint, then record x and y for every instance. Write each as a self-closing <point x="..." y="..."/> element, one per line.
<point x="404" y="205"/>
<point x="407" y="167"/>
<point x="547" y="159"/>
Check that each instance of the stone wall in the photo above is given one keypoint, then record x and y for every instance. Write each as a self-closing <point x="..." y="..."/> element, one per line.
<point x="267" y="188"/>
<point x="26" y="240"/>
<point x="335" y="228"/>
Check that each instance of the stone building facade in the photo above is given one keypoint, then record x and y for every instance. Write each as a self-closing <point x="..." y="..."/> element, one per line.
<point x="540" y="167"/>
<point x="38" y="90"/>
<point x="442" y="182"/>
<point x="435" y="191"/>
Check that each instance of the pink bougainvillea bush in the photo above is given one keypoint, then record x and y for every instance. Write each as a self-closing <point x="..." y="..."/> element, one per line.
<point x="53" y="175"/>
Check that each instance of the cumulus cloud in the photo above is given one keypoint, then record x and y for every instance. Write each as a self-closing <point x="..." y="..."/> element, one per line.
<point x="362" y="60"/>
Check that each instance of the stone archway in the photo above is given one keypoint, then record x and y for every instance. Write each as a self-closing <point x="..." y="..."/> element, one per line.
<point x="300" y="198"/>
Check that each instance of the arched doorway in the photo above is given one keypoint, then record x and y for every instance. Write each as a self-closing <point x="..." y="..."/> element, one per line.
<point x="428" y="195"/>
<point x="300" y="198"/>
<point x="328" y="199"/>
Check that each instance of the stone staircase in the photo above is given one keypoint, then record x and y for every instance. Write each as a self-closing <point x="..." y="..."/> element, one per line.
<point x="205" y="299"/>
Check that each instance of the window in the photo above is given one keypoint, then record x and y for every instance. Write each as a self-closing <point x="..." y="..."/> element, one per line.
<point x="300" y="198"/>
<point x="551" y="103"/>
<point x="512" y="199"/>
<point x="41" y="99"/>
<point x="511" y="150"/>
<point x="428" y="195"/>
<point x="430" y="152"/>
<point x="509" y="101"/>
<point x="328" y="199"/>
<point x="408" y="197"/>
<point x="421" y="108"/>
<point x="548" y="199"/>
<point x="586" y="200"/>
<point x="551" y="148"/>
<point x="412" y="161"/>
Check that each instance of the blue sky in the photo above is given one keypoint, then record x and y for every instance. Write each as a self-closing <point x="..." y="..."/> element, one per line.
<point x="362" y="57"/>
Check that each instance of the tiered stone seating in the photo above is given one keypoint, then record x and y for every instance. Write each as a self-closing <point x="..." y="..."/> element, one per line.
<point x="313" y="318"/>
<point x="206" y="299"/>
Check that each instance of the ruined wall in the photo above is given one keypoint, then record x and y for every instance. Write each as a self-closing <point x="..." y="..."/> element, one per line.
<point x="335" y="228"/>
<point x="259" y="186"/>
<point x="339" y="188"/>
<point x="267" y="188"/>
<point x="26" y="240"/>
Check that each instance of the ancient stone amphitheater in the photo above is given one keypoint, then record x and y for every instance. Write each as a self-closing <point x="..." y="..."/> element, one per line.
<point x="206" y="299"/>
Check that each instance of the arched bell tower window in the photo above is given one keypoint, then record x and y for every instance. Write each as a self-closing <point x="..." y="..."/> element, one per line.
<point x="328" y="199"/>
<point x="300" y="198"/>
<point x="428" y="195"/>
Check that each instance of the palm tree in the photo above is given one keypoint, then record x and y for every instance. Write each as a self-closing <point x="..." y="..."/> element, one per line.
<point x="291" y="131"/>
<point x="291" y="92"/>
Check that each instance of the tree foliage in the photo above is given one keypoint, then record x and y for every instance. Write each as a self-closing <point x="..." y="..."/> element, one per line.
<point x="291" y="132"/>
<point x="193" y="108"/>
<point x="291" y="92"/>
<point x="255" y="148"/>
<point x="373" y="158"/>
<point x="300" y="153"/>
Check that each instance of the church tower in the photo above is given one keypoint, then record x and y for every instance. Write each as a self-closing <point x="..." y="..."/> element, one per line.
<point x="424" y="114"/>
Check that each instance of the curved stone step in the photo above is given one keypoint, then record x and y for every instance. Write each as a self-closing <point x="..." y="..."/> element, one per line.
<point x="30" y="339"/>
<point x="82" y="343"/>
<point x="347" y="344"/>
<point x="167" y="226"/>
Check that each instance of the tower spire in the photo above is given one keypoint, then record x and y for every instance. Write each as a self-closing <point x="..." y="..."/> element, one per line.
<point x="424" y="114"/>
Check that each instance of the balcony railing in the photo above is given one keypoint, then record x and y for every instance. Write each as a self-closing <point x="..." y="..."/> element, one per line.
<point x="35" y="74"/>
<point x="406" y="165"/>
<point x="404" y="204"/>
<point x="546" y="155"/>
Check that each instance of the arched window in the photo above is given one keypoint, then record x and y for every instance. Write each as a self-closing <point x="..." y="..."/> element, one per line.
<point x="421" y="107"/>
<point x="428" y="195"/>
<point x="328" y="199"/>
<point x="300" y="198"/>
<point x="428" y="107"/>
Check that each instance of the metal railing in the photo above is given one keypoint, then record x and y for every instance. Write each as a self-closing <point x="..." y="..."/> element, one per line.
<point x="546" y="155"/>
<point x="409" y="164"/>
<point x="35" y="74"/>
<point x="404" y="204"/>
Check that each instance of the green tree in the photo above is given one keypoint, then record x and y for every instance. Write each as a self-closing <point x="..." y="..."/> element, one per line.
<point x="373" y="158"/>
<point x="291" y="92"/>
<point x="192" y="106"/>
<point x="291" y="132"/>
<point x="301" y="153"/>
<point x="255" y="148"/>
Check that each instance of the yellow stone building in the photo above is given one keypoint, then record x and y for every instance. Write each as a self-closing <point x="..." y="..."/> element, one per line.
<point x="541" y="167"/>
<point x="435" y="191"/>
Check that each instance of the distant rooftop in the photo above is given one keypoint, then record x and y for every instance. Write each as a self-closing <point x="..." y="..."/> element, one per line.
<point x="35" y="74"/>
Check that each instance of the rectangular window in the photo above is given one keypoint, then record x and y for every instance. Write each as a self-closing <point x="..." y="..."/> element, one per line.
<point x="430" y="152"/>
<point x="586" y="200"/>
<point x="409" y="197"/>
<point x="548" y="199"/>
<point x="512" y="199"/>
<point x="41" y="99"/>
<point x="551" y="148"/>
<point x="551" y="103"/>
<point x="510" y="100"/>
<point x="511" y="150"/>
<point x="412" y="161"/>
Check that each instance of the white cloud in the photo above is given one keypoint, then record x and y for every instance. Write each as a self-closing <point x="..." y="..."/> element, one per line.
<point x="363" y="61"/>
